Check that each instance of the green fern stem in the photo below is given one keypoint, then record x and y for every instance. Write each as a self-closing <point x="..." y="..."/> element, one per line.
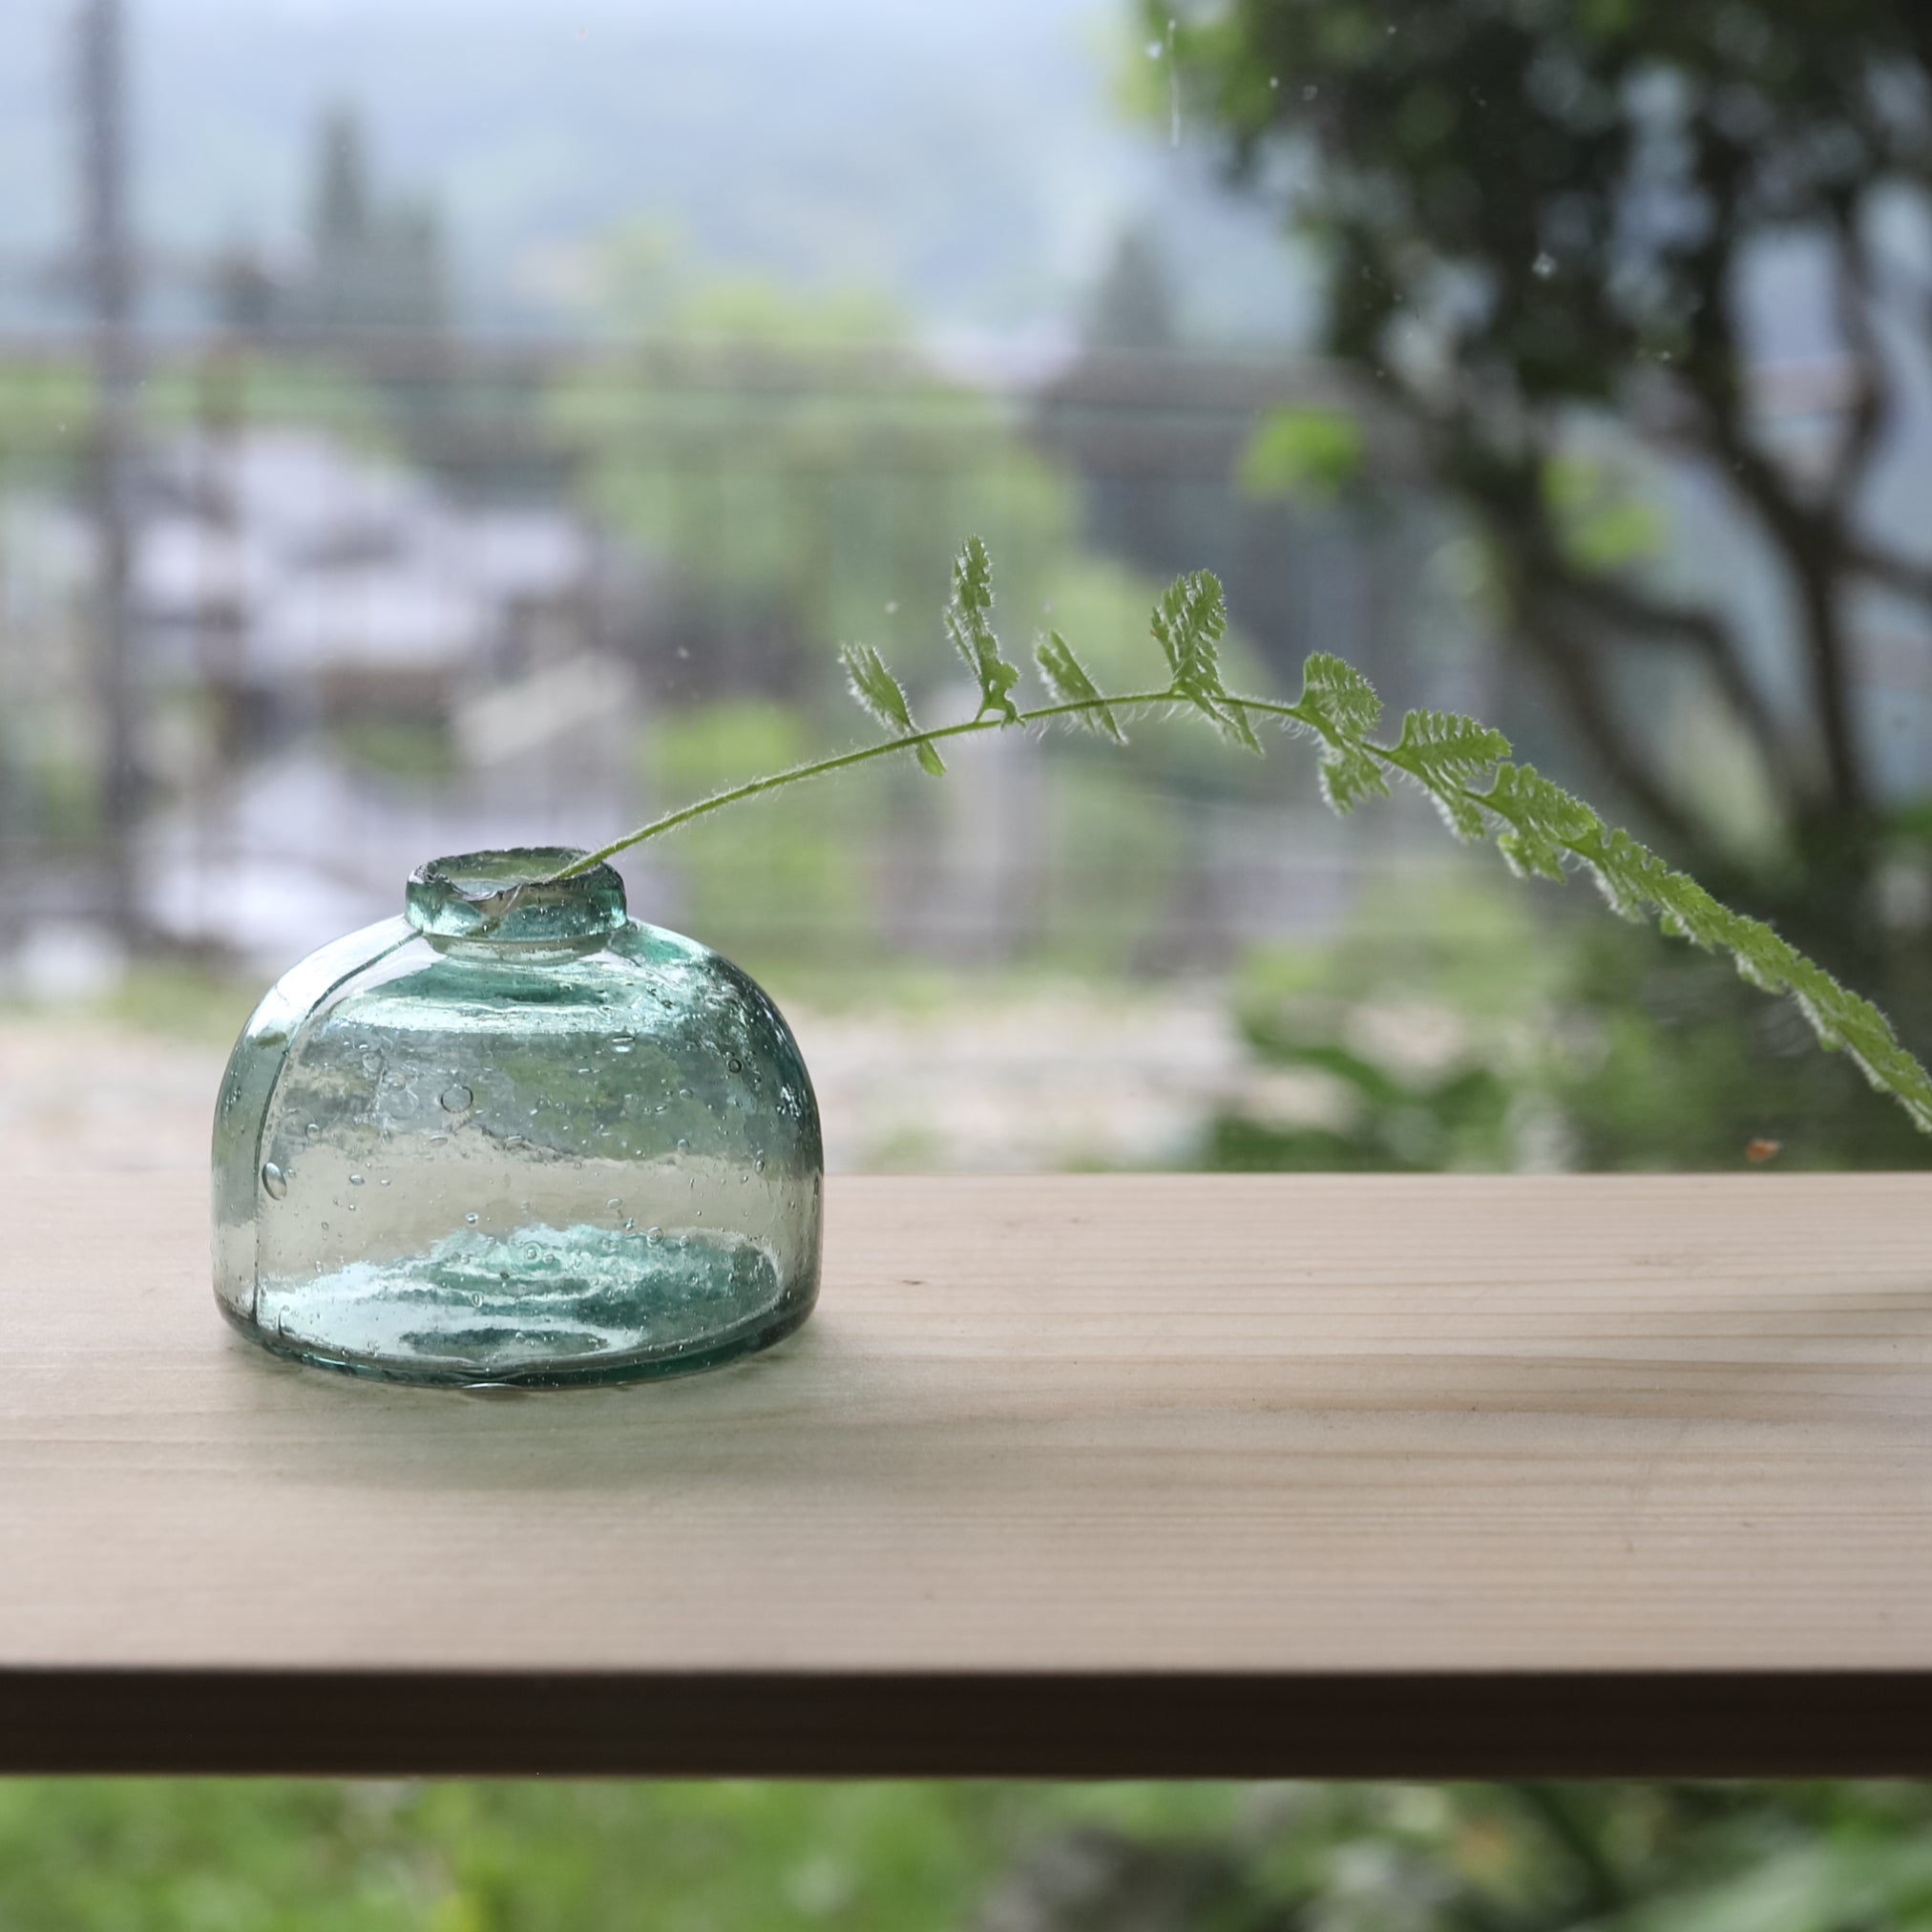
<point x="1461" y="766"/>
<point x="824" y="767"/>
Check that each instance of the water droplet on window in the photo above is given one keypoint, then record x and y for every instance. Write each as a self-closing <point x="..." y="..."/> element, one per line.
<point x="313" y="1130"/>
<point x="470" y="1219"/>
<point x="384" y="1182"/>
<point x="654" y="1233"/>
<point x="355" y="1179"/>
<point x="274" y="1181"/>
<point x="1544" y="266"/>
<point x="533" y="1255"/>
<point x="614" y="1201"/>
<point x="456" y="1098"/>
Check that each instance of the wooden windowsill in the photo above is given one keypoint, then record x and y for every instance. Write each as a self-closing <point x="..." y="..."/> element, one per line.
<point x="1080" y="1476"/>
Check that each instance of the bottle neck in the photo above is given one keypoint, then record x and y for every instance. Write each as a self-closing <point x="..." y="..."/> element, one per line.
<point x="514" y="900"/>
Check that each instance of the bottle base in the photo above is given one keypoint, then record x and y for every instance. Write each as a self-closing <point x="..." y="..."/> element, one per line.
<point x="682" y="1358"/>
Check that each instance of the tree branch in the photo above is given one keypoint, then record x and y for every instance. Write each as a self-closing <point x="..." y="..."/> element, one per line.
<point x="1906" y="575"/>
<point x="1810" y="541"/>
<point x="1591" y="709"/>
<point x="1632" y="608"/>
<point x="1870" y="410"/>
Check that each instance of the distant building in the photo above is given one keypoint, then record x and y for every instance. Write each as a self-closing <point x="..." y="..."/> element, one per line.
<point x="305" y="581"/>
<point x="316" y="600"/>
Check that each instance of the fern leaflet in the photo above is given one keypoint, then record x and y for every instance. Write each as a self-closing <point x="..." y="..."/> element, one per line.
<point x="1066" y="677"/>
<point x="969" y="623"/>
<point x="880" y="695"/>
<point x="1187" y="624"/>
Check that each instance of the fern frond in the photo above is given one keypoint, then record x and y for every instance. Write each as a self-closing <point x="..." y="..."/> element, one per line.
<point x="1544" y="822"/>
<point x="1341" y="706"/>
<point x="1067" y="677"/>
<point x="1636" y="880"/>
<point x="1187" y="624"/>
<point x="1445" y="753"/>
<point x="1540" y="829"/>
<point x="1337" y="699"/>
<point x="881" y="697"/>
<point x="968" y="619"/>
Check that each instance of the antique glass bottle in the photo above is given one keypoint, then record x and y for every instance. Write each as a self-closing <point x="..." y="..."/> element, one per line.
<point x="515" y="1137"/>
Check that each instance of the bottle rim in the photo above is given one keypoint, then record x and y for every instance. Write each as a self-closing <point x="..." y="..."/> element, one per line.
<point x="513" y="897"/>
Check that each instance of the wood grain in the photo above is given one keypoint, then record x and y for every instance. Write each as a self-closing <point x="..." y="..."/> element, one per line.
<point x="1095" y="1475"/>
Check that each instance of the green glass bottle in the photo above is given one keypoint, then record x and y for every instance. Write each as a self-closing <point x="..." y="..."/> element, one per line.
<point x="518" y="1138"/>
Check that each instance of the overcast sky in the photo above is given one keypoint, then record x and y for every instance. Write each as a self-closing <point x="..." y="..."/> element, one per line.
<point x="971" y="159"/>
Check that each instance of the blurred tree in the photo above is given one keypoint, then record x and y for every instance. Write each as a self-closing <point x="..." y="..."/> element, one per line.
<point x="1540" y="215"/>
<point x="371" y="266"/>
<point x="1137" y="512"/>
<point x="799" y="474"/>
<point x="103" y="1854"/>
<point x="1133" y="307"/>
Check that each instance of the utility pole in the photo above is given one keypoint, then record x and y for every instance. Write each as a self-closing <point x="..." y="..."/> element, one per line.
<point x="108" y="278"/>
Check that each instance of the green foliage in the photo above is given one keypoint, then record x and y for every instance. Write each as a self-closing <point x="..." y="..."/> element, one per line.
<point x="1608" y="1048"/>
<point x="1600" y="519"/>
<point x="1461" y="766"/>
<point x="770" y="884"/>
<point x="1300" y="452"/>
<point x="1555" y="367"/>
<point x="401" y="748"/>
<point x="281" y="1855"/>
<point x="1390" y="1121"/>
<point x="277" y="1855"/>
<point x="798" y="469"/>
<point x="46" y="411"/>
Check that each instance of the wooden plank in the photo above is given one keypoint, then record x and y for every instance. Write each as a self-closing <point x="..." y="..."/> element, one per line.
<point x="1088" y="1475"/>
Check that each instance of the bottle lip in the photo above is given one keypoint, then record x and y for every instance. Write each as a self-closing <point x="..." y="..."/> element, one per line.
<point x="513" y="897"/>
